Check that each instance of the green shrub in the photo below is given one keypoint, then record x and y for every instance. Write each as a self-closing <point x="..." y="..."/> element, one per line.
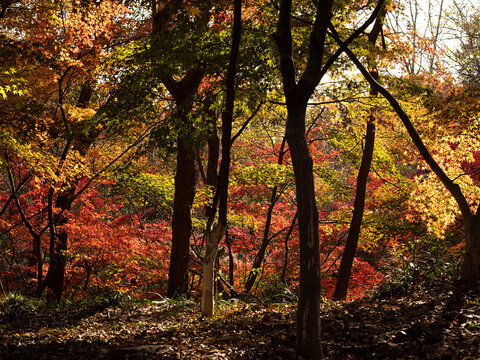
<point x="14" y="306"/>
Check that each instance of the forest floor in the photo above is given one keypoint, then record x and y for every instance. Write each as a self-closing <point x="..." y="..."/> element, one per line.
<point x="426" y="322"/>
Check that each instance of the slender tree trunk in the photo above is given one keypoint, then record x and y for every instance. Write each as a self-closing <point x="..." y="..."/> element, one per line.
<point x="344" y="273"/>
<point x="37" y="240"/>
<point x="54" y="280"/>
<point x="231" y="263"/>
<point x="252" y="276"/>
<point x="215" y="234"/>
<point x="283" y="277"/>
<point x="185" y="179"/>
<point x="213" y="145"/>
<point x="208" y="265"/>
<point x="345" y="270"/>
<point x="471" y="222"/>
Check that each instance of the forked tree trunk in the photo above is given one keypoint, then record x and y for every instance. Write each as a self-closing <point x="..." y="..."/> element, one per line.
<point x="183" y="91"/>
<point x="297" y="95"/>
<point x="54" y="280"/>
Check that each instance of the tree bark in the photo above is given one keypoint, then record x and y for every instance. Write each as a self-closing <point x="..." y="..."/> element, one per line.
<point x="471" y="258"/>
<point x="252" y="276"/>
<point x="183" y="92"/>
<point x="185" y="179"/>
<point x="344" y="273"/>
<point x="208" y="265"/>
<point x="309" y="343"/>
<point x="471" y="222"/>
<point x="215" y="234"/>
<point x="345" y="270"/>
<point x="308" y="312"/>
<point x="54" y="280"/>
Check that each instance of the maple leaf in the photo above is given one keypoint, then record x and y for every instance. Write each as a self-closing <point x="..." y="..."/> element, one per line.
<point x="195" y="11"/>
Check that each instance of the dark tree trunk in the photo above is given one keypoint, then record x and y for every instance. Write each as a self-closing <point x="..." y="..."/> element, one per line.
<point x="471" y="258"/>
<point x="185" y="179"/>
<point x="309" y="297"/>
<point x="471" y="222"/>
<point x="252" y="276"/>
<point x="297" y="96"/>
<point x="231" y="263"/>
<point x="54" y="280"/>
<point x="56" y="272"/>
<point x="283" y="277"/>
<point x="213" y="145"/>
<point x="183" y="91"/>
<point x="309" y="344"/>
<point x="345" y="270"/>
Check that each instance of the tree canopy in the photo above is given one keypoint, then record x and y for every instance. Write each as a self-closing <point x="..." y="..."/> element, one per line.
<point x="290" y="151"/>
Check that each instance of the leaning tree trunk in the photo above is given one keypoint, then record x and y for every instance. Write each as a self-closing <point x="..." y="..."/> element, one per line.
<point x="309" y="297"/>
<point x="345" y="270"/>
<point x="471" y="222"/>
<point x="252" y="276"/>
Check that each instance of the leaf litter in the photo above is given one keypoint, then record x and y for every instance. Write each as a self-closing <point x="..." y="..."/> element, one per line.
<point x="440" y="321"/>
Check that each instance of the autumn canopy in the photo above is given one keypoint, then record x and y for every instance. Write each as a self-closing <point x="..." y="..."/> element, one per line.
<point x="294" y="151"/>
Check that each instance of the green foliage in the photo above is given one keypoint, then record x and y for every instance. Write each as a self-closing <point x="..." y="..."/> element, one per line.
<point x="266" y="174"/>
<point x="424" y="260"/>
<point x="15" y="306"/>
<point x="145" y="188"/>
<point x="272" y="290"/>
<point x="175" y="304"/>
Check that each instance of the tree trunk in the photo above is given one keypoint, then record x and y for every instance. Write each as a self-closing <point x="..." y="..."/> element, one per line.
<point x="231" y="263"/>
<point x="208" y="265"/>
<point x="471" y="259"/>
<point x="58" y="242"/>
<point x="183" y="91"/>
<point x="215" y="234"/>
<point x="283" y="277"/>
<point x="59" y="237"/>
<point x="185" y="179"/>
<point x="252" y="276"/>
<point x="345" y="270"/>
<point x="308" y="319"/>
<point x="471" y="223"/>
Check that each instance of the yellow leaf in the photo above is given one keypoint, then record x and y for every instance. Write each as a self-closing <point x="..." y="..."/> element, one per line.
<point x="195" y="11"/>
